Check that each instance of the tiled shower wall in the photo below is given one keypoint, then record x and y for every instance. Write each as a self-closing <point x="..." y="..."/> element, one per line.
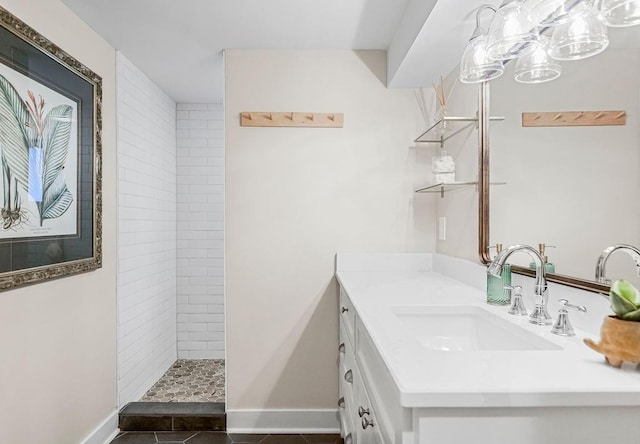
<point x="146" y="119"/>
<point x="200" y="212"/>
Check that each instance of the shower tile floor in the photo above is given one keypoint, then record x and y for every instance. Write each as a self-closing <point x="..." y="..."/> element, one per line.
<point x="190" y="380"/>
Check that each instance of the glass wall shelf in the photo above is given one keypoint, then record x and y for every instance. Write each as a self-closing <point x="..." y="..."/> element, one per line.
<point x="444" y="187"/>
<point x="448" y="127"/>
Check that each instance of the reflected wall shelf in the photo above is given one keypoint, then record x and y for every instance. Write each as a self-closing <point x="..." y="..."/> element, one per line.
<point x="447" y="127"/>
<point x="444" y="187"/>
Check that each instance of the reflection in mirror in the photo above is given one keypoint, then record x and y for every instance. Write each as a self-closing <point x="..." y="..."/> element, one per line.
<point x="574" y="187"/>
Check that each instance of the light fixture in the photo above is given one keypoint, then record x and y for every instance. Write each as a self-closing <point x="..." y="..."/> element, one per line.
<point x="583" y="37"/>
<point x="578" y="30"/>
<point x="619" y="13"/>
<point x="476" y="66"/>
<point x="537" y="67"/>
<point x="556" y="12"/>
<point x="511" y="34"/>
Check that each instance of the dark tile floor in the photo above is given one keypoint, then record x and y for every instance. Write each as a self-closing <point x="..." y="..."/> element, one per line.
<point x="220" y="438"/>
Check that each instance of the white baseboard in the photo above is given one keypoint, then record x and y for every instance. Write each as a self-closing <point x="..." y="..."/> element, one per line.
<point x="105" y="432"/>
<point x="283" y="421"/>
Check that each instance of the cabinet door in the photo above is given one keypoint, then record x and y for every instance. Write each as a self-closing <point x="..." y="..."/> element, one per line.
<point x="367" y="423"/>
<point x="349" y="438"/>
<point x="348" y="424"/>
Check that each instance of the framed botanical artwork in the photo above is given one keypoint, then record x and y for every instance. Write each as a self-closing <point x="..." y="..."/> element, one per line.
<point x="50" y="159"/>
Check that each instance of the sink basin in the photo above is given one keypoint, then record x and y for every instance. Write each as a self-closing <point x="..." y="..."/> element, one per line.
<point x="466" y="328"/>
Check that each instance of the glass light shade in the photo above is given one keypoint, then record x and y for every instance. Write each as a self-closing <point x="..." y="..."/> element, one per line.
<point x="584" y="37"/>
<point x="556" y="12"/>
<point x="476" y="66"/>
<point x="619" y="13"/>
<point x="511" y="34"/>
<point x="537" y="67"/>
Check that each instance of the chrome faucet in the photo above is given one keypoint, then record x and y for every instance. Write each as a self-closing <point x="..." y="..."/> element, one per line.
<point x="540" y="315"/>
<point x="604" y="256"/>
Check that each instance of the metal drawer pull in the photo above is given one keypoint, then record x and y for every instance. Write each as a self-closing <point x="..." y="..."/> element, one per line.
<point x="344" y="309"/>
<point x="348" y="439"/>
<point x="341" y="402"/>
<point x="348" y="376"/>
<point x="341" y="348"/>
<point x="362" y="411"/>
<point x="366" y="422"/>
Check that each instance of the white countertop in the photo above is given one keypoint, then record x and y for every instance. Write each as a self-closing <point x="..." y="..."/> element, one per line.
<point x="572" y="376"/>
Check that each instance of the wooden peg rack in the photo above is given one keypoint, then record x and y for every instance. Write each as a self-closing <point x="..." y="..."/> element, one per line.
<point x="309" y="120"/>
<point x="574" y="118"/>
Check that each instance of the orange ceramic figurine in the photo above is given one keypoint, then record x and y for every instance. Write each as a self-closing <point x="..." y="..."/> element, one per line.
<point x="620" y="334"/>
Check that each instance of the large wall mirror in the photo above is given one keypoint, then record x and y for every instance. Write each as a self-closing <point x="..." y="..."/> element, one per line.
<point x="576" y="188"/>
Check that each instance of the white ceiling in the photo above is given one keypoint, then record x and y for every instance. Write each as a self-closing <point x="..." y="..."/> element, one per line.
<point x="179" y="43"/>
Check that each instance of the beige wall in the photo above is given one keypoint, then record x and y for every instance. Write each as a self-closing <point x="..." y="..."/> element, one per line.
<point x="460" y="207"/>
<point x="297" y="196"/>
<point x="58" y="339"/>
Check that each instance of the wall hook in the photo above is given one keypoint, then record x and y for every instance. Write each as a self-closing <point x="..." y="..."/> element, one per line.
<point x="574" y="118"/>
<point x="291" y="119"/>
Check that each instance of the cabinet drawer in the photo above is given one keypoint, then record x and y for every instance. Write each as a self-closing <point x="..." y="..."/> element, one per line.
<point x="345" y="346"/>
<point x="345" y="385"/>
<point x="347" y="425"/>
<point x="347" y="315"/>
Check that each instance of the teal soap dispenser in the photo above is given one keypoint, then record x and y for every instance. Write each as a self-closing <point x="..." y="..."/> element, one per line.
<point x="497" y="294"/>
<point x="548" y="266"/>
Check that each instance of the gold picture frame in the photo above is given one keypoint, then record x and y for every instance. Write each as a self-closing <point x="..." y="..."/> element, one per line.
<point x="50" y="159"/>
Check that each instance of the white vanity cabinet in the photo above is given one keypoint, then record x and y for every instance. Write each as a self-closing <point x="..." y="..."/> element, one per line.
<point x="357" y="413"/>
<point x="364" y="417"/>
<point x="404" y="392"/>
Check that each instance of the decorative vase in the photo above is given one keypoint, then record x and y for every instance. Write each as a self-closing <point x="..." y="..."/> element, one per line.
<point x="619" y="341"/>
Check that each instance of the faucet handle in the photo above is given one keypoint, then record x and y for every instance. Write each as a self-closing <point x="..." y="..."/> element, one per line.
<point x="563" y="327"/>
<point x="564" y="304"/>
<point x="517" y="306"/>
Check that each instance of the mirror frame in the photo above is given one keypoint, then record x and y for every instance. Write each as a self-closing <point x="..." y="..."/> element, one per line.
<point x="484" y="203"/>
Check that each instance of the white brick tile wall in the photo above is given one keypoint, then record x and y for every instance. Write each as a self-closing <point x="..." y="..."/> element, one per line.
<point x="200" y="210"/>
<point x="146" y="232"/>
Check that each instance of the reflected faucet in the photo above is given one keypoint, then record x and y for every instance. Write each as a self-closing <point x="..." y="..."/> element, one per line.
<point x="604" y="256"/>
<point x="540" y="315"/>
